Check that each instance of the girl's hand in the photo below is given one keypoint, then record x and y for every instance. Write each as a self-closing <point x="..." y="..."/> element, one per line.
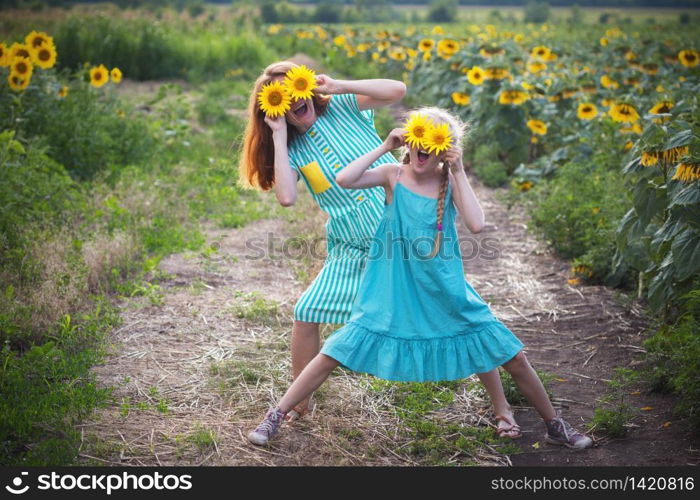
<point x="327" y="85"/>
<point x="277" y="124"/>
<point x="395" y="139"/>
<point x="453" y="157"/>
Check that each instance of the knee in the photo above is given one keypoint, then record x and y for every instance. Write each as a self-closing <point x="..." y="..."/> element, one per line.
<point x="305" y="330"/>
<point x="517" y="364"/>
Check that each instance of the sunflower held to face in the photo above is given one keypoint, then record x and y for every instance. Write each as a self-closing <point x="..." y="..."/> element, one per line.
<point x="438" y="138"/>
<point x="300" y="82"/>
<point x="417" y="127"/>
<point x="274" y="99"/>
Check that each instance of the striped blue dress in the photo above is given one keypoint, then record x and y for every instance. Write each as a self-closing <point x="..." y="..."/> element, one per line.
<point x="340" y="135"/>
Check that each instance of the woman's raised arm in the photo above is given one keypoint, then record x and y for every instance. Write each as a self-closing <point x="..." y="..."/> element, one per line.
<point x="285" y="176"/>
<point x="373" y="93"/>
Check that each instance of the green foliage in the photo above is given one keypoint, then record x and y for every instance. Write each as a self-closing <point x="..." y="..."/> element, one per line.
<point x="48" y="389"/>
<point x="536" y="12"/>
<point x="442" y="11"/>
<point x="612" y="417"/>
<point x="577" y="212"/>
<point x="673" y="360"/>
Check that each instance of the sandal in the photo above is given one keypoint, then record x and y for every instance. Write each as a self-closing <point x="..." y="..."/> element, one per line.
<point x="297" y="413"/>
<point x="503" y="431"/>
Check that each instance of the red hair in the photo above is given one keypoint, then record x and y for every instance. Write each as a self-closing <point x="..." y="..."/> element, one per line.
<point x="256" y="163"/>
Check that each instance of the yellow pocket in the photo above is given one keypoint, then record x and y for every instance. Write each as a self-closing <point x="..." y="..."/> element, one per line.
<point x="314" y="175"/>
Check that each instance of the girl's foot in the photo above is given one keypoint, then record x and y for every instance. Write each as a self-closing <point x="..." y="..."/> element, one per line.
<point x="298" y="411"/>
<point x="268" y="427"/>
<point x="560" y="432"/>
<point x="507" y="427"/>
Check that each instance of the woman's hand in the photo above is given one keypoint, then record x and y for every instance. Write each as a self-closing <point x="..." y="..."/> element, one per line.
<point x="453" y="157"/>
<point x="278" y="125"/>
<point x="395" y="139"/>
<point x="327" y="85"/>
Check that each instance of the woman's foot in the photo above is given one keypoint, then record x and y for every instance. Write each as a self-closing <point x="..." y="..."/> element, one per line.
<point x="507" y="427"/>
<point x="268" y="427"/>
<point x="560" y="432"/>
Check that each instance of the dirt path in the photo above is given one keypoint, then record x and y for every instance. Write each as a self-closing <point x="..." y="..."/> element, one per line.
<point x="579" y="334"/>
<point x="194" y="372"/>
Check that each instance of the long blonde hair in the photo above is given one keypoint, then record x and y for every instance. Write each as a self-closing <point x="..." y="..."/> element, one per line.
<point x="256" y="163"/>
<point x="459" y="130"/>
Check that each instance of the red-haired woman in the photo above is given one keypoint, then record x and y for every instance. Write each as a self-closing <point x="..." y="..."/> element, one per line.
<point x="316" y="138"/>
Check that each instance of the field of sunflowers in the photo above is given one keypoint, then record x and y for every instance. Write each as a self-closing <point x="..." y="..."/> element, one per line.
<point x="593" y="129"/>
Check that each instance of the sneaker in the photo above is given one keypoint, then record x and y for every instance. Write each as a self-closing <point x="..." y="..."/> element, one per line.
<point x="268" y="427"/>
<point x="560" y="432"/>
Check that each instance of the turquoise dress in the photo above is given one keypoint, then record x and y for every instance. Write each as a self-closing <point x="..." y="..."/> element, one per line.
<point x="417" y="318"/>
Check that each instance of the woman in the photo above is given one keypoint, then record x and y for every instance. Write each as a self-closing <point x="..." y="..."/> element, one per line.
<point x="313" y="141"/>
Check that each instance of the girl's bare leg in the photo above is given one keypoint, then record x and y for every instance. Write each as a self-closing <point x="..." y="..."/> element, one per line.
<point x="492" y="382"/>
<point x="310" y="379"/>
<point x="305" y="346"/>
<point x="530" y="385"/>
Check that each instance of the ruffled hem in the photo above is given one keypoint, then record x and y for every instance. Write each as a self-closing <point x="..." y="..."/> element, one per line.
<point x="422" y="360"/>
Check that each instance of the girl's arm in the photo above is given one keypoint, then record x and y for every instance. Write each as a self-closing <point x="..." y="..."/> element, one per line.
<point x="285" y="176"/>
<point x="465" y="200"/>
<point x="356" y="175"/>
<point x="373" y="93"/>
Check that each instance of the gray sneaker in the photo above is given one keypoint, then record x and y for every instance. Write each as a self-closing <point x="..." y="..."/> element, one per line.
<point x="268" y="427"/>
<point x="560" y="432"/>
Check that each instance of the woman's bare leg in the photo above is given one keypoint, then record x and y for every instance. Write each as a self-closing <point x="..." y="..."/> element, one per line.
<point x="530" y="385"/>
<point x="310" y="379"/>
<point x="305" y="346"/>
<point x="492" y="382"/>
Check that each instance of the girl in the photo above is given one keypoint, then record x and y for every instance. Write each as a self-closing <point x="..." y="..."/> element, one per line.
<point x="311" y="141"/>
<point x="416" y="318"/>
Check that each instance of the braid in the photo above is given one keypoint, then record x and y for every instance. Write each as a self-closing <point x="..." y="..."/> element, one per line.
<point x="441" y="208"/>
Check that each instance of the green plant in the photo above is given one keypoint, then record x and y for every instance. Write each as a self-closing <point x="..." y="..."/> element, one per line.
<point x="612" y="417"/>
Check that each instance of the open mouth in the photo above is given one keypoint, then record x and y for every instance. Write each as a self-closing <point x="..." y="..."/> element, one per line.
<point x="423" y="156"/>
<point x="300" y="109"/>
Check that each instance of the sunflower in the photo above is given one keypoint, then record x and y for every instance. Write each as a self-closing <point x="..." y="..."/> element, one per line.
<point x="438" y="139"/>
<point x="540" y="52"/>
<point x="689" y="58"/>
<point x="662" y="107"/>
<point x="4" y="55"/>
<point x="687" y="172"/>
<point x="526" y="186"/>
<point x="274" y="99"/>
<point x="63" y="92"/>
<point x="36" y="39"/>
<point x="447" y="47"/>
<point x="623" y="113"/>
<point x="116" y="75"/>
<point x="417" y="127"/>
<point x="22" y="67"/>
<point x="44" y="56"/>
<point x="496" y="73"/>
<point x="650" y="68"/>
<point x="19" y="50"/>
<point x="608" y="82"/>
<point x="537" y="127"/>
<point x="628" y="145"/>
<point x="99" y="75"/>
<point x="516" y="97"/>
<point x="426" y="45"/>
<point x="674" y="154"/>
<point x="604" y="41"/>
<point x="300" y="81"/>
<point x="476" y="75"/>
<point x="635" y="128"/>
<point x="427" y="56"/>
<point x="460" y="98"/>
<point x="536" y="66"/>
<point x="339" y="40"/>
<point x="17" y="82"/>
<point x="568" y="92"/>
<point x="397" y="54"/>
<point x="363" y="47"/>
<point x="437" y="30"/>
<point x="649" y="158"/>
